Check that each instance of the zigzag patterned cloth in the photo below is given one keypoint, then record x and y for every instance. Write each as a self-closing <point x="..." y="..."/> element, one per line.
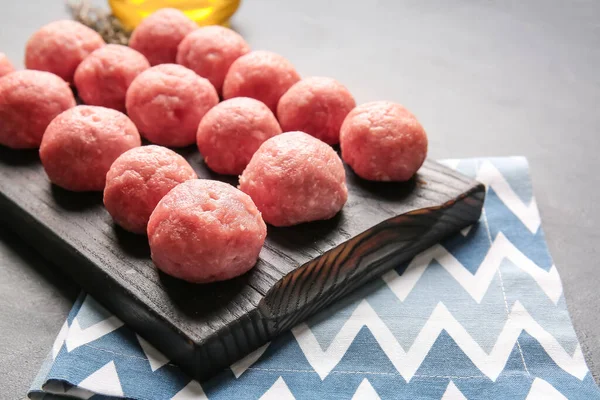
<point x="480" y="316"/>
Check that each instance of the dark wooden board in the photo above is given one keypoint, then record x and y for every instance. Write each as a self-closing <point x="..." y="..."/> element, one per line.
<point x="301" y="269"/>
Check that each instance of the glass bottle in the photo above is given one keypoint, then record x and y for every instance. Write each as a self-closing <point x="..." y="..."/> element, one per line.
<point x="204" y="12"/>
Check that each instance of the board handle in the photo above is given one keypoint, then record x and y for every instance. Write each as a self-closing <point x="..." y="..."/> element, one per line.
<point x="344" y="268"/>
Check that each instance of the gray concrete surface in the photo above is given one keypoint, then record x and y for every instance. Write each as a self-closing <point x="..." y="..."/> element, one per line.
<point x="486" y="78"/>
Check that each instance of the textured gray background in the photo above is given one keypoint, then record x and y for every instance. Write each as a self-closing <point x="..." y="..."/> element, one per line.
<point x="486" y="78"/>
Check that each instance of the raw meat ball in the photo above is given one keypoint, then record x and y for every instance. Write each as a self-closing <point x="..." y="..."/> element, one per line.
<point x="210" y="51"/>
<point x="295" y="178"/>
<point x="80" y="145"/>
<point x="167" y="102"/>
<point x="205" y="231"/>
<point x="231" y="132"/>
<point x="383" y="141"/>
<point x="60" y="47"/>
<point x="5" y="65"/>
<point x="316" y="106"/>
<point x="262" y="75"/>
<point x="138" y="180"/>
<point x="29" y="100"/>
<point x="102" y="78"/>
<point x="158" y="35"/>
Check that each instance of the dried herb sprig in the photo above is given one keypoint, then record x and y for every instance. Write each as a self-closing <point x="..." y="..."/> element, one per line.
<point x="100" y="20"/>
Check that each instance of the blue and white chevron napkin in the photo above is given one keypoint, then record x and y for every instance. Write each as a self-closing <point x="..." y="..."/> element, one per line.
<point x="480" y="316"/>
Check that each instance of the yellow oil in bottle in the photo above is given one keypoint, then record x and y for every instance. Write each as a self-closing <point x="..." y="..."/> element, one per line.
<point x="203" y="12"/>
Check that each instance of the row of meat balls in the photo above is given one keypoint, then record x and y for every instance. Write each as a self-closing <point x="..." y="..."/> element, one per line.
<point x="199" y="230"/>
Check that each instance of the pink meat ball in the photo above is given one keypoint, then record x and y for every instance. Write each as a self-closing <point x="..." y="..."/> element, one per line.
<point x="167" y="102"/>
<point x="29" y="100"/>
<point x="103" y="77"/>
<point x="5" y="65"/>
<point x="383" y="141"/>
<point x="158" y="36"/>
<point x="80" y="145"/>
<point x="295" y="178"/>
<point x="230" y="133"/>
<point x="316" y="106"/>
<point x="205" y="231"/>
<point x="210" y="51"/>
<point x="138" y="180"/>
<point x="262" y="75"/>
<point x="60" y="47"/>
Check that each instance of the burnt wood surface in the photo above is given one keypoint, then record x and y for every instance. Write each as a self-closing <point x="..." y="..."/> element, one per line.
<point x="301" y="269"/>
